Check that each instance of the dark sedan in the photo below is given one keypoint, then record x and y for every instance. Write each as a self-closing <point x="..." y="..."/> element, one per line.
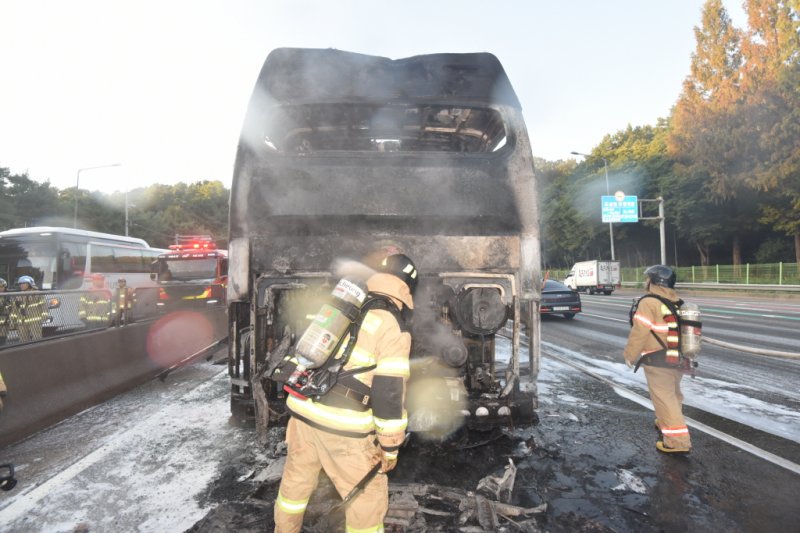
<point x="559" y="299"/>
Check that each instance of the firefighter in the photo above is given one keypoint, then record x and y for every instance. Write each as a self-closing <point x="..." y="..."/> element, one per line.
<point x="347" y="437"/>
<point x="28" y="311"/>
<point x="5" y="312"/>
<point x="3" y="389"/>
<point x="95" y="305"/>
<point x="125" y="301"/>
<point x="654" y="343"/>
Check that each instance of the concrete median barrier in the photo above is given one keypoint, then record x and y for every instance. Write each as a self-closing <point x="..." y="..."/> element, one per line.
<point x="51" y="380"/>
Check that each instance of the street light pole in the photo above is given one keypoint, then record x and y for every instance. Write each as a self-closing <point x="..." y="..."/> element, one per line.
<point x="610" y="225"/>
<point x="608" y="193"/>
<point x="126" y="212"/>
<point x="77" y="187"/>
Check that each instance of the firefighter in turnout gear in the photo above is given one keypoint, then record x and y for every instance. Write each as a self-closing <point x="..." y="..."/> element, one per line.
<point x="28" y="311"/>
<point x="125" y="301"/>
<point x="654" y="343"/>
<point x="5" y="312"/>
<point x="95" y="305"/>
<point x="3" y="389"/>
<point x="361" y="422"/>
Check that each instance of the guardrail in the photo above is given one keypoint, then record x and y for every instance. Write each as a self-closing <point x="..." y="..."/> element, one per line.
<point x="34" y="316"/>
<point x="750" y="277"/>
<point x="725" y="286"/>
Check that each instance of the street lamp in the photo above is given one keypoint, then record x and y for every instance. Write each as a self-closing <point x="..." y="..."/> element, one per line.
<point x="608" y="193"/>
<point x="78" y="184"/>
<point x="127" y="205"/>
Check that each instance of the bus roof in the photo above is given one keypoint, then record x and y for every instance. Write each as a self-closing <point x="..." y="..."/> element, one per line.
<point x="298" y="75"/>
<point x="45" y="230"/>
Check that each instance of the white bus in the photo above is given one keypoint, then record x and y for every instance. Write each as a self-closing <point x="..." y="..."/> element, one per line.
<point x="65" y="258"/>
<point x="62" y="262"/>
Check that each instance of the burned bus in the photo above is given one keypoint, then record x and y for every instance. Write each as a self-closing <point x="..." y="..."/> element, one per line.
<point x="342" y="154"/>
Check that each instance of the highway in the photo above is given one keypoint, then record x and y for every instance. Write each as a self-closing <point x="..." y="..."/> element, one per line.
<point x="163" y="457"/>
<point x="754" y="391"/>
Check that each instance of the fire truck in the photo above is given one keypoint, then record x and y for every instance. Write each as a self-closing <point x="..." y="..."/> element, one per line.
<point x="193" y="273"/>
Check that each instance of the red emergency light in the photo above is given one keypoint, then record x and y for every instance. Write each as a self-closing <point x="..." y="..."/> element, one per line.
<point x="194" y="245"/>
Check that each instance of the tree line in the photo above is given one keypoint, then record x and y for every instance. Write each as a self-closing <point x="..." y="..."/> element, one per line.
<point x="726" y="160"/>
<point x="155" y="213"/>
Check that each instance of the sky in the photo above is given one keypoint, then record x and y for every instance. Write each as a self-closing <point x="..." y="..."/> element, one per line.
<point x="159" y="89"/>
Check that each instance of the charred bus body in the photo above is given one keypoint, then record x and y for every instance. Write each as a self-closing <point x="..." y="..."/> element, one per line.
<point x="342" y="154"/>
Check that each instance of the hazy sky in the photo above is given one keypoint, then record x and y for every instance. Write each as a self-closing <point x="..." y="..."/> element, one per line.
<point x="161" y="87"/>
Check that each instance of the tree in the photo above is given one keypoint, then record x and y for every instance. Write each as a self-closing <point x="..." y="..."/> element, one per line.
<point x="717" y="60"/>
<point x="564" y="230"/>
<point x="774" y="112"/>
<point x="710" y="140"/>
<point x="772" y="108"/>
<point x="772" y="40"/>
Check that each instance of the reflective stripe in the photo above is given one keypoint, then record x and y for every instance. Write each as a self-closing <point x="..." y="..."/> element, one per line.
<point x="373" y="529"/>
<point x="680" y="430"/>
<point x="395" y="425"/>
<point x="371" y="323"/>
<point x="658" y="328"/>
<point x="393" y="366"/>
<point x="332" y="417"/>
<point x="291" y="506"/>
<point x="361" y="357"/>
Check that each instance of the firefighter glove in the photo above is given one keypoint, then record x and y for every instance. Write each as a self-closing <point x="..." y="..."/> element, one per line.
<point x="388" y="461"/>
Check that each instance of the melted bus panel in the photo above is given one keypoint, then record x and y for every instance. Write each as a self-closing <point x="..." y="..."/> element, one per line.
<point x="342" y="154"/>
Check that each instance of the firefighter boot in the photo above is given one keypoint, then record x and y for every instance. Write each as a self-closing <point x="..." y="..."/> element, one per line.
<point x="666" y="449"/>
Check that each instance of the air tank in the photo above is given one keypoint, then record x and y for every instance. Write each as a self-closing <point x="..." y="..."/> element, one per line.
<point x="691" y="330"/>
<point x="322" y="336"/>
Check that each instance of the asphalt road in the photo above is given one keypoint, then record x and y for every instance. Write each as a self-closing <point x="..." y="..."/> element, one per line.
<point x="731" y="384"/>
<point x="164" y="458"/>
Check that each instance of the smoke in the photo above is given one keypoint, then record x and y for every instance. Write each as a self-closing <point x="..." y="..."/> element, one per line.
<point x="350" y="268"/>
<point x="588" y="192"/>
<point x="436" y="407"/>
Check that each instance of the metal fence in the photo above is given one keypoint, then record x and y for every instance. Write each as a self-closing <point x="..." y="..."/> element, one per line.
<point x="32" y="316"/>
<point x="768" y="274"/>
<point x="35" y="315"/>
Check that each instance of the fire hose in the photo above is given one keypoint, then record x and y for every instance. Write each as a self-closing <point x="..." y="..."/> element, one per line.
<point x="757" y="351"/>
<point x="358" y="488"/>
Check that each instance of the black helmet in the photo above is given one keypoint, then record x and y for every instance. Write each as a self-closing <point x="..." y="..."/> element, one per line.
<point x="661" y="275"/>
<point x="401" y="266"/>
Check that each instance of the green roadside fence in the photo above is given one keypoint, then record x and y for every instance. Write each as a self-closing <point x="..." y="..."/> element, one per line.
<point x="771" y="274"/>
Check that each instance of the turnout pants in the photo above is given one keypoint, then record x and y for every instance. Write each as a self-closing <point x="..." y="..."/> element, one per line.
<point x="665" y="393"/>
<point x="346" y="460"/>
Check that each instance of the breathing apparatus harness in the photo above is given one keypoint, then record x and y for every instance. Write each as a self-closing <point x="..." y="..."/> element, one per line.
<point x="329" y="384"/>
<point x="676" y="354"/>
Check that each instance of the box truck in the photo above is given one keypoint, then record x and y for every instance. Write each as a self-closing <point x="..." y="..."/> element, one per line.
<point x="593" y="276"/>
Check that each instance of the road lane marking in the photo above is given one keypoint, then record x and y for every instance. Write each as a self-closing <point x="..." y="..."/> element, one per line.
<point x="644" y="402"/>
<point x="605" y="317"/>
